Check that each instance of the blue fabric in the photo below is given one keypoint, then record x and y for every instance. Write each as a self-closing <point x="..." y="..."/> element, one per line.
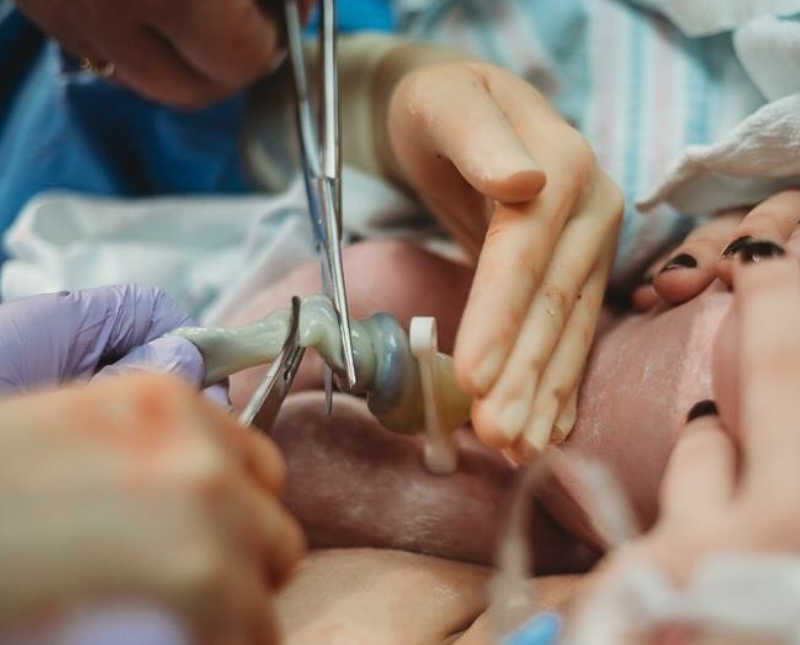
<point x="542" y="629"/>
<point x="358" y="15"/>
<point x="60" y="128"/>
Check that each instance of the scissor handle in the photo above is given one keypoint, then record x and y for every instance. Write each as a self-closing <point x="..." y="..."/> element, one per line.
<point x="269" y="395"/>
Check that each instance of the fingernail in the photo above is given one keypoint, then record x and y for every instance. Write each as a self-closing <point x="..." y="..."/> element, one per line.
<point x="758" y="250"/>
<point x="528" y="163"/>
<point x="513" y="406"/>
<point x="734" y="246"/>
<point x="513" y="417"/>
<point x="485" y="374"/>
<point x="682" y="261"/>
<point x="705" y="408"/>
<point x="542" y="629"/>
<point x="539" y="433"/>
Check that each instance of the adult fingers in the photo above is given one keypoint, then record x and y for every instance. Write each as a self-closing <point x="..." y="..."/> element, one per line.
<point x="168" y="355"/>
<point x="481" y="143"/>
<point x="73" y="29"/>
<point x="255" y="451"/>
<point x="769" y="223"/>
<point x="767" y="306"/>
<point x="168" y="401"/>
<point x="68" y="335"/>
<point x="233" y="606"/>
<point x="258" y="621"/>
<point x="147" y="63"/>
<point x="251" y="450"/>
<point x="521" y="238"/>
<point x="455" y="164"/>
<point x="692" y="265"/>
<point x="114" y="321"/>
<point x="701" y="472"/>
<point x="501" y="415"/>
<point x="273" y="535"/>
<point x="564" y="370"/>
<point x="230" y="43"/>
<point x="567" y="417"/>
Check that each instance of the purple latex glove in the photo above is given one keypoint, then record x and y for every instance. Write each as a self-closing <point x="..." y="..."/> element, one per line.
<point x="120" y="625"/>
<point x="54" y="338"/>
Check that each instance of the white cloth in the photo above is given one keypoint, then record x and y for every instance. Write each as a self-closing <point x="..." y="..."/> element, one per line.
<point x="705" y="17"/>
<point x="199" y="249"/>
<point x="758" y="158"/>
<point x="761" y="154"/>
<point x="638" y="87"/>
<point x="210" y="254"/>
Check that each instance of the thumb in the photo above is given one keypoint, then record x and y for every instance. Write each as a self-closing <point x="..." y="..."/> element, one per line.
<point x="169" y="355"/>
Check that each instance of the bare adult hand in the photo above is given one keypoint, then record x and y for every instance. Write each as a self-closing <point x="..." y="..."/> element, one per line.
<point x="186" y="53"/>
<point x="139" y="488"/>
<point x="733" y="483"/>
<point x="521" y="191"/>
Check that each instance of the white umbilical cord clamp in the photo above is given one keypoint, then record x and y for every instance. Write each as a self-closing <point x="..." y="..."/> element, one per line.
<point x="441" y="456"/>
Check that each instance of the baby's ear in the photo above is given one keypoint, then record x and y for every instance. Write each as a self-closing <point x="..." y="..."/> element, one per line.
<point x="725" y="371"/>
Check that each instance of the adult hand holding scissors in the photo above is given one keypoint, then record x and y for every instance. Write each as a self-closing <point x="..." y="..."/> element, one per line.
<point x="186" y="53"/>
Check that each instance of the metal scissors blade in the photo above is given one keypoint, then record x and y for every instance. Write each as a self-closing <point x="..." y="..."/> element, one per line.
<point x="321" y="162"/>
<point x="269" y="395"/>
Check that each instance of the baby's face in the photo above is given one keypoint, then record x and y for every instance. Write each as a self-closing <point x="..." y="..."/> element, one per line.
<point x="646" y="372"/>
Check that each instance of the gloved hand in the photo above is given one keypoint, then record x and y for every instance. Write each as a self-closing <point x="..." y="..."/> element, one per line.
<point x="49" y="339"/>
<point x="187" y="53"/>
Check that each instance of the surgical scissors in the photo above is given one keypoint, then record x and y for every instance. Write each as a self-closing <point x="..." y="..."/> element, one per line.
<point x="320" y="154"/>
<point x="269" y="395"/>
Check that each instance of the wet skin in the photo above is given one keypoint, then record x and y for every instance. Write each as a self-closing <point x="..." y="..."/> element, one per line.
<point x="352" y="484"/>
<point x="646" y="371"/>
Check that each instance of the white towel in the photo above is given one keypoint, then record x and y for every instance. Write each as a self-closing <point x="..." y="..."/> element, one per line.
<point x="758" y="158"/>
<point x="762" y="154"/>
<point x="210" y="254"/>
<point x="704" y="17"/>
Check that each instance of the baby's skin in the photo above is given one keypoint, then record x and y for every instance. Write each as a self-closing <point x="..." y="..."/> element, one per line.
<point x="646" y="371"/>
<point x="353" y="484"/>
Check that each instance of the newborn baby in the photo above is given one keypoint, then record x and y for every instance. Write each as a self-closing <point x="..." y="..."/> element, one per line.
<point x="351" y="483"/>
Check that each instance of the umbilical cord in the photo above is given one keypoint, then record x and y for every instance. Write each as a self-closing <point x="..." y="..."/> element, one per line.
<point x="386" y="371"/>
